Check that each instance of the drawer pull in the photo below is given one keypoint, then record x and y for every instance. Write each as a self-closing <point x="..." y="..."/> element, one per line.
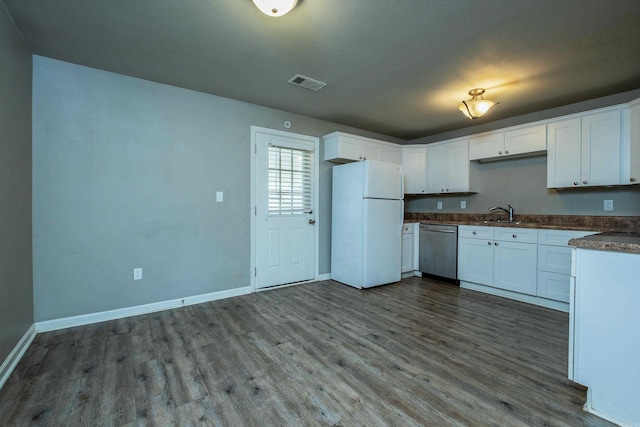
<point x="515" y="235"/>
<point x="474" y="233"/>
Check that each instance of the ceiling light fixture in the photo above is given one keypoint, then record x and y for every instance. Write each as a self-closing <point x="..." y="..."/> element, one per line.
<point x="477" y="106"/>
<point x="275" y="8"/>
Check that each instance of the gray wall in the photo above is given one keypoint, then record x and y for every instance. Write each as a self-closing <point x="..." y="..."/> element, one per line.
<point x="125" y="175"/>
<point x="523" y="183"/>
<point x="16" y="290"/>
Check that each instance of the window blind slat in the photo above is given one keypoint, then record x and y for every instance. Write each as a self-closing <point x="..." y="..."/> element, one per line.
<point x="289" y="181"/>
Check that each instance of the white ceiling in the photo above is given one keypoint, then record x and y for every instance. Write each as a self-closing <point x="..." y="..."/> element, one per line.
<point x="399" y="68"/>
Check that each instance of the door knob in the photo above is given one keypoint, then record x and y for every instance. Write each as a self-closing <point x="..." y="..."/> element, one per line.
<point x="312" y="221"/>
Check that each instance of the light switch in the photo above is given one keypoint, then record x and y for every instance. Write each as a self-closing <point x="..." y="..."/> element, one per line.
<point x="219" y="196"/>
<point x="137" y="274"/>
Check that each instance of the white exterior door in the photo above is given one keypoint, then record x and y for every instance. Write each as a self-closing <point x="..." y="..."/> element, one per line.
<point x="285" y="187"/>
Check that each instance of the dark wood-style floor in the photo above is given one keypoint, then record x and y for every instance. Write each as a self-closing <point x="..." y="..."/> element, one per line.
<point x="410" y="354"/>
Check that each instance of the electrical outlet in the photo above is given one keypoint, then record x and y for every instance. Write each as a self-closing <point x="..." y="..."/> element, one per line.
<point x="608" y="205"/>
<point x="439" y="205"/>
<point x="463" y="204"/>
<point x="219" y="196"/>
<point x="137" y="274"/>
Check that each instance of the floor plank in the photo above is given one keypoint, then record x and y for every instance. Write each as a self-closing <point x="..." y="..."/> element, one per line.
<point x="416" y="353"/>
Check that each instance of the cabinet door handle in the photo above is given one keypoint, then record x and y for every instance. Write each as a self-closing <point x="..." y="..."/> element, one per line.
<point x="500" y="153"/>
<point x="312" y="221"/>
<point x="489" y="243"/>
<point x="584" y="182"/>
<point x="475" y="232"/>
<point x="496" y="243"/>
<point x="515" y="235"/>
<point x="632" y="179"/>
<point x="506" y="152"/>
<point x="575" y="182"/>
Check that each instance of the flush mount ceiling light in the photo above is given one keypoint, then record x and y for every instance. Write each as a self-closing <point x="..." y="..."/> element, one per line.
<point x="275" y="7"/>
<point x="477" y="106"/>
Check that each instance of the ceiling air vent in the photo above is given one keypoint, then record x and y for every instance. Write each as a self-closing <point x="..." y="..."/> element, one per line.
<point x="308" y="82"/>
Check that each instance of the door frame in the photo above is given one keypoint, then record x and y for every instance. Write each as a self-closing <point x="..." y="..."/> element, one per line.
<point x="316" y="200"/>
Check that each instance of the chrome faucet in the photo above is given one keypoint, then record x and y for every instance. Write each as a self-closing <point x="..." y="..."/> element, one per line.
<point x="508" y="211"/>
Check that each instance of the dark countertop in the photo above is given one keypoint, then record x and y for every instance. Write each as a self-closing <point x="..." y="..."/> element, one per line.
<point x="514" y="224"/>
<point x="612" y="241"/>
<point x="546" y="222"/>
<point x="617" y="233"/>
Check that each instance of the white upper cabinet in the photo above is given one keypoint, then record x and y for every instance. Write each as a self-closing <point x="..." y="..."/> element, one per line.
<point x="511" y="143"/>
<point x="448" y="167"/>
<point x="414" y="168"/>
<point x="486" y="146"/>
<point x="391" y="154"/>
<point x="344" y="148"/>
<point x="585" y="151"/>
<point x="564" y="147"/>
<point x="529" y="140"/>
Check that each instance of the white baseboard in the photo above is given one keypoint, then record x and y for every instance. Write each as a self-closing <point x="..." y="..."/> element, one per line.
<point x="325" y="276"/>
<point x="16" y="354"/>
<point x="86" y="319"/>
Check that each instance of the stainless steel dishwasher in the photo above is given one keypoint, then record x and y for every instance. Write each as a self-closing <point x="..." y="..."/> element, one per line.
<point x="439" y="250"/>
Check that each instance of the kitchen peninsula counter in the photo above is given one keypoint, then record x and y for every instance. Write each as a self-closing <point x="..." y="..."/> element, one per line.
<point x="612" y="241"/>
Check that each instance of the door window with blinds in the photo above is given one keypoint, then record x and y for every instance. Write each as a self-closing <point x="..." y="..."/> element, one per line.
<point x="290" y="181"/>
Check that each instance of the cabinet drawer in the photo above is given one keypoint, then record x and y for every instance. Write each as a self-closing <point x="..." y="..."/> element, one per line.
<point x="553" y="286"/>
<point x="555" y="259"/>
<point x="473" y="232"/>
<point x="522" y="235"/>
<point x="560" y="237"/>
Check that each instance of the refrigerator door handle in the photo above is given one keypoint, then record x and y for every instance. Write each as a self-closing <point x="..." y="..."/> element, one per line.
<point x="401" y="216"/>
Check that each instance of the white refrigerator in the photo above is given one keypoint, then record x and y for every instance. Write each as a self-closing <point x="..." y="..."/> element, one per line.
<point x="366" y="223"/>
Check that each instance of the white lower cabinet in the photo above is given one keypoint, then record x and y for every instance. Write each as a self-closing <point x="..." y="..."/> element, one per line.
<point x="554" y="286"/>
<point x="554" y="263"/>
<point x="515" y="266"/>
<point x="475" y="260"/>
<point x="527" y="264"/>
<point x="408" y="236"/>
